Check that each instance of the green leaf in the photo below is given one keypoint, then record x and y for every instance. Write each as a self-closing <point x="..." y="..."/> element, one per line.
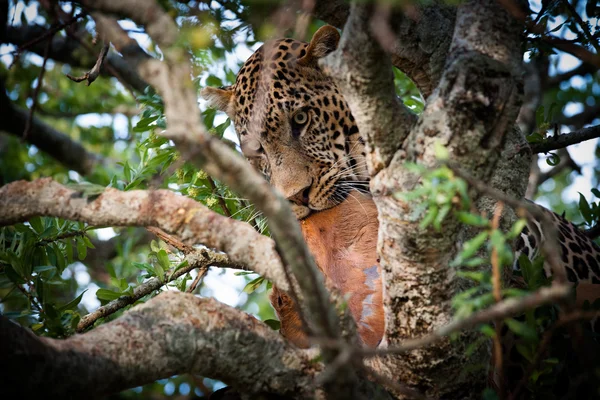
<point x="471" y="247"/>
<point x="437" y="223"/>
<point x="585" y="209"/>
<point x="273" y="324"/>
<point x="105" y="294"/>
<point x="553" y="159"/>
<point x="37" y="224"/>
<point x="69" y="250"/>
<point x="253" y="285"/>
<point x="540" y="116"/>
<point x="81" y="249"/>
<point x="432" y="213"/>
<point x="521" y="329"/>
<point x="476" y="276"/>
<point x="497" y="239"/>
<point x="472" y="219"/>
<point x="163" y="259"/>
<point x="43" y="268"/>
<point x="48" y="232"/>
<point x="488" y="330"/>
<point x="534" y="138"/>
<point x="241" y="273"/>
<point x="60" y="258"/>
<point x="72" y="305"/>
<point x="517" y="228"/>
<point x="88" y="242"/>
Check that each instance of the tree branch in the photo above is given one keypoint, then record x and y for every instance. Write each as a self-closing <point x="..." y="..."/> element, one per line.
<point x="556" y="80"/>
<point x="171" y="334"/>
<point x="91" y="75"/>
<point x="504" y="309"/>
<point x="588" y="115"/>
<point x="421" y="38"/>
<point x="191" y="221"/>
<point x="470" y="113"/>
<point x="566" y="139"/>
<point x="202" y="258"/>
<point x="593" y="232"/>
<point x="380" y="115"/>
<point x="66" y="49"/>
<point x="56" y="144"/>
<point x="36" y="91"/>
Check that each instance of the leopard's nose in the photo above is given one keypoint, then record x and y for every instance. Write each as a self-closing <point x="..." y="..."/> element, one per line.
<point x="300" y="197"/>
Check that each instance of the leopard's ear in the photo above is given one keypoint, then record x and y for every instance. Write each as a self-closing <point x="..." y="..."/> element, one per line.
<point x="323" y="42"/>
<point x="219" y="98"/>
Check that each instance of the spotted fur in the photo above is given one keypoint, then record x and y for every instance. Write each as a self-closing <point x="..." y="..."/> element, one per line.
<point x="313" y="164"/>
<point x="580" y="256"/>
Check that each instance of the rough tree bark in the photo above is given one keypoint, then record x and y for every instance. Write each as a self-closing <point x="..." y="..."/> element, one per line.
<point x="171" y="334"/>
<point x="470" y="112"/>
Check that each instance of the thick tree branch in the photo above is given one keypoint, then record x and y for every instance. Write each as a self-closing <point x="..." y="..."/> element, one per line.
<point x="566" y="139"/>
<point x="191" y="221"/>
<point x="56" y="144"/>
<point x="171" y="334"/>
<point x="363" y="71"/>
<point x="470" y="113"/>
<point x="421" y="38"/>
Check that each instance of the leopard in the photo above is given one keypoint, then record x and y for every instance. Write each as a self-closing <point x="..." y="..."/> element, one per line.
<point x="295" y="127"/>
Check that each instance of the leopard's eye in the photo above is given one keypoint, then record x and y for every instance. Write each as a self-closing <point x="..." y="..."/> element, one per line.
<point x="301" y="118"/>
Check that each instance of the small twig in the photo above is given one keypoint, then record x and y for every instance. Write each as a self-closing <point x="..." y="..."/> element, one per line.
<point x="564" y="45"/>
<point x="564" y="320"/>
<point x="556" y="80"/>
<point x="49" y="33"/>
<point x="220" y="199"/>
<point x="506" y="308"/>
<point x="196" y="259"/>
<point x="32" y="299"/>
<point x="497" y="288"/>
<point x="582" y="25"/>
<point x="91" y="75"/>
<point x="566" y="139"/>
<point x="201" y="274"/>
<point x="36" y="91"/>
<point x="170" y="239"/>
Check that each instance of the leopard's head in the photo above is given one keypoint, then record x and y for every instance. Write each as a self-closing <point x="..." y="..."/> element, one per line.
<point x="293" y="123"/>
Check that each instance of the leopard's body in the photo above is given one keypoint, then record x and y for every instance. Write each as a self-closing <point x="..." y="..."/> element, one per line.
<point x="580" y="256"/>
<point x="296" y="128"/>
